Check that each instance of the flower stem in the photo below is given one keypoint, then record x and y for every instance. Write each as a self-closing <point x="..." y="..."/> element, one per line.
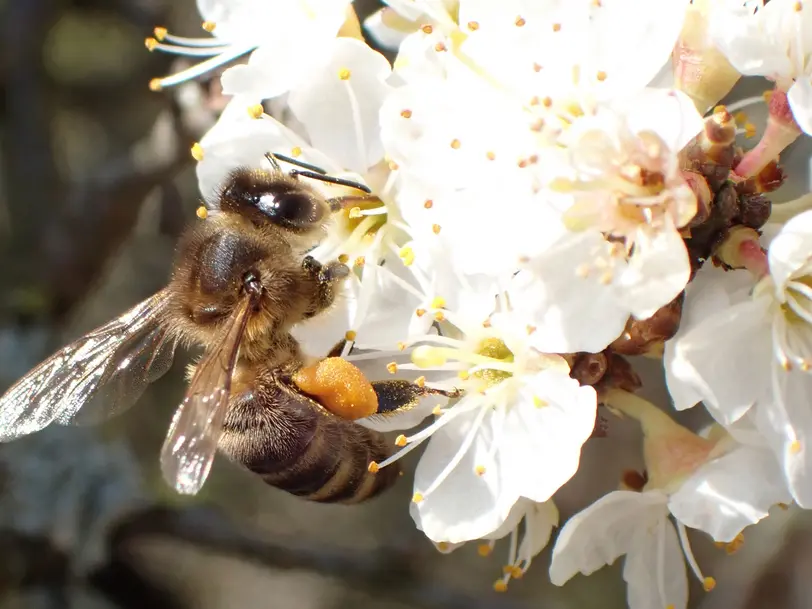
<point x="782" y="212"/>
<point x="780" y="132"/>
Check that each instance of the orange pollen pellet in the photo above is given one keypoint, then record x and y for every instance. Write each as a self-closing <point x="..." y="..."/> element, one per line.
<point x="601" y="76"/>
<point x="440" y="47"/>
<point x="428" y="204"/>
<point x="491" y="155"/>
<point x="373" y="467"/>
<point x="473" y="26"/>
<point x="406" y="113"/>
<point x="427" y="29"/>
<point x="520" y="21"/>
<point x="455" y="144"/>
<point x="392" y="367"/>
<point x="401" y="440"/>
<point x="435" y="228"/>
<point x="556" y="27"/>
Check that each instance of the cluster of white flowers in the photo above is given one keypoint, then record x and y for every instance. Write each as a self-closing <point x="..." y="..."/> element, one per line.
<point x="555" y="190"/>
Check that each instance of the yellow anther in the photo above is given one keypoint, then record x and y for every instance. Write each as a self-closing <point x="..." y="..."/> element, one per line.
<point x="420" y="381"/>
<point x="539" y="402"/>
<point x="442" y="546"/>
<point x="537" y="67"/>
<point x="438" y="302"/>
<point x="473" y="26"/>
<point x="407" y="255"/>
<point x="530" y="329"/>
<point x="582" y="271"/>
<point x="484" y="549"/>
<point x="295" y="151"/>
<point x="417" y="498"/>
<point x="799" y="6"/>
<point x="463" y="375"/>
<point x="160" y="32"/>
<point x="197" y="152"/>
<point x="343" y="258"/>
<point x="202" y="212"/>
<point x="556" y="27"/>
<point x="256" y="111"/>
<point x="767" y="95"/>
<point x="427" y="29"/>
<point x="669" y="607"/>
<point x="795" y="447"/>
<point x="740" y="117"/>
<point x="440" y="47"/>
<point x="486" y="323"/>
<point x="436" y="228"/>
<point x="601" y="76"/>
<point x="373" y="468"/>
<point x="455" y="144"/>
<point x="547" y="102"/>
<point x="520" y="22"/>
<point x="420" y="312"/>
<point x="401" y="346"/>
<point x="428" y="204"/>
<point x="208" y="26"/>
<point x="516" y="572"/>
<point x="406" y="113"/>
<point x="491" y="155"/>
<point x="150" y="43"/>
<point x="479" y="470"/>
<point x="355" y="212"/>
<point x="708" y="584"/>
<point x="500" y="585"/>
<point x="350" y="335"/>
<point x="437" y="410"/>
<point x="155" y="84"/>
<point x="439" y="316"/>
<point x="606" y="278"/>
<point x="783" y="506"/>
<point x="360" y="261"/>
<point x="749" y="130"/>
<point x="401" y="441"/>
<point x="720" y="109"/>
<point x="344" y="74"/>
<point x="393" y="166"/>
<point x="805" y="365"/>
<point x="392" y="367"/>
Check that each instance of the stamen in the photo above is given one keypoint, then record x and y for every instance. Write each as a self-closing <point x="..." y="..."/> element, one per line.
<point x="163" y="35"/>
<point x="707" y="582"/>
<point x="152" y="44"/>
<point x="226" y="55"/>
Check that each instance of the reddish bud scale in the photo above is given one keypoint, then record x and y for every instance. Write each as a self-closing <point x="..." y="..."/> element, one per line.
<point x="641" y="335"/>
<point x="619" y="375"/>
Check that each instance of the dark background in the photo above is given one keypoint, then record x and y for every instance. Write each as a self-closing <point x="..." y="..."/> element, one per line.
<point x="96" y="183"/>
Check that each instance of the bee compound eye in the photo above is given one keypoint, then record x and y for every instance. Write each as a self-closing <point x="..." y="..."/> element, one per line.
<point x="291" y="209"/>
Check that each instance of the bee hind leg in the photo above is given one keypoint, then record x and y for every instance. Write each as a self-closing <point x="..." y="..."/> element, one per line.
<point x="401" y="395"/>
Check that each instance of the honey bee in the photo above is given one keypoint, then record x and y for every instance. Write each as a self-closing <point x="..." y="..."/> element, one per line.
<point x="241" y="279"/>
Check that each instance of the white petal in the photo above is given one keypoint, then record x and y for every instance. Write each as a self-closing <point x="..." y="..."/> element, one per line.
<point x="731" y="354"/>
<point x="654" y="569"/>
<point x="540" y="521"/>
<point x="800" y="101"/>
<point x="599" y="534"/>
<point x="551" y="433"/>
<point x="732" y="492"/>
<point x="783" y="424"/>
<point x="657" y="272"/>
<point x="348" y="127"/>
<point x="465" y="506"/>
<point x="669" y="113"/>
<point x="570" y="312"/>
<point x="380" y="26"/>
<point x="791" y="248"/>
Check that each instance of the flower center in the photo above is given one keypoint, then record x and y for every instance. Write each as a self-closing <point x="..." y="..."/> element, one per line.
<point x="792" y="325"/>
<point x="493" y="348"/>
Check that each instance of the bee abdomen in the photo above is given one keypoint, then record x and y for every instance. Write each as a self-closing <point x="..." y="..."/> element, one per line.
<point x="335" y="466"/>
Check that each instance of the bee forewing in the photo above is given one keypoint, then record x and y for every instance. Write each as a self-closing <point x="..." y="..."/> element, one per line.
<point x="125" y="355"/>
<point x="191" y="443"/>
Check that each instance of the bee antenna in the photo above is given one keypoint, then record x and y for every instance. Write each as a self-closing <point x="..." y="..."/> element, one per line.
<point x="331" y="180"/>
<point x="297" y="162"/>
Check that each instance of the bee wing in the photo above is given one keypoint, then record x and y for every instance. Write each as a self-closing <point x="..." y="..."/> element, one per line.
<point x="108" y="368"/>
<point x="191" y="443"/>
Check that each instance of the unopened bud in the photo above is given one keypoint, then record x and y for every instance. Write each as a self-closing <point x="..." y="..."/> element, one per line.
<point x="754" y="210"/>
<point x="619" y="375"/>
<point x="641" y="335"/>
<point x="588" y="368"/>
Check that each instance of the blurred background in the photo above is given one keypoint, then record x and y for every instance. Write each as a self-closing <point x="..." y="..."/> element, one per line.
<point x="96" y="182"/>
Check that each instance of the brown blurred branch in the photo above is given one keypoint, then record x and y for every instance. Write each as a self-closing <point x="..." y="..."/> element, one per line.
<point x="390" y="573"/>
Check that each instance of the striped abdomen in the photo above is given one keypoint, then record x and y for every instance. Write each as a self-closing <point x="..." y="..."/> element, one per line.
<point x="297" y="446"/>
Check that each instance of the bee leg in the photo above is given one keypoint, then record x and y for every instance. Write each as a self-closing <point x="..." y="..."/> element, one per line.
<point x="327" y="275"/>
<point x="401" y="395"/>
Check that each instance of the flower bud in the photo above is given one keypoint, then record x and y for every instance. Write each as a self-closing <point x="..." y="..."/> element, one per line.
<point x="700" y="70"/>
<point x="704" y="196"/>
<point x="644" y="335"/>
<point x="711" y="152"/>
<point x="619" y="375"/>
<point x="754" y="210"/>
<point x="588" y="368"/>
